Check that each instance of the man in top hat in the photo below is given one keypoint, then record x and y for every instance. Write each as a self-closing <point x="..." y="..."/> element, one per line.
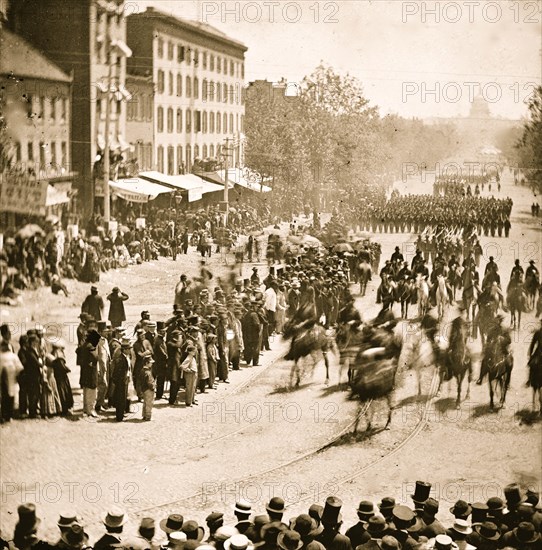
<point x="431" y="525"/>
<point x="93" y="304"/>
<point x="421" y="494"/>
<point x="275" y="509"/>
<point x="376" y="529"/>
<point x="141" y="347"/>
<point x="402" y="519"/>
<point x="160" y="354"/>
<point x="252" y="327"/>
<point x="331" y="520"/>
<point x="116" y="299"/>
<point x="114" y="522"/>
<point x="142" y="323"/>
<point x="147" y="385"/>
<point x="358" y="533"/>
<point x="121" y="371"/>
<point x="459" y="532"/>
<point x="514" y="496"/>
<point x="25" y="534"/>
<point x="73" y="538"/>
<point x="242" y="511"/>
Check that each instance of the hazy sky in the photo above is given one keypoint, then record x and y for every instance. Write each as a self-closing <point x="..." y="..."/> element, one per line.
<point x="415" y="58"/>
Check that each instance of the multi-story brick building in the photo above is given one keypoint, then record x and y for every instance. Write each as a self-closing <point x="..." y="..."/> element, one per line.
<point x="87" y="39"/>
<point x="198" y="73"/>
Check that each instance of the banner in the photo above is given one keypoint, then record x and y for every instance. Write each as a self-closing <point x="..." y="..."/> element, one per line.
<point x="22" y="194"/>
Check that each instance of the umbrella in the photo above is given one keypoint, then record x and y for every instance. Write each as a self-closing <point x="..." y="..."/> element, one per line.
<point x="343" y="247"/>
<point x="29" y="230"/>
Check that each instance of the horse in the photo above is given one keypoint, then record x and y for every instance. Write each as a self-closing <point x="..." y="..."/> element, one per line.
<point x="441" y="295"/>
<point x="349" y="339"/>
<point x="423" y="296"/>
<point x="385" y="293"/>
<point x="468" y="295"/>
<point x="456" y="361"/>
<point x="535" y="376"/>
<point x="403" y="294"/>
<point x="498" y="364"/>
<point x="516" y="300"/>
<point x="306" y="340"/>
<point x="488" y="306"/>
<point x="454" y="279"/>
<point x="531" y="288"/>
<point x="365" y="275"/>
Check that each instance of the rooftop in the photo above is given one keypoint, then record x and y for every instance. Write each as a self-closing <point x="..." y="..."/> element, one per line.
<point x="20" y="58"/>
<point x="197" y="26"/>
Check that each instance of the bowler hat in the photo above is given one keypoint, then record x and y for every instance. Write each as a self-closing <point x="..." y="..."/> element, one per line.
<point x="461" y="509"/>
<point x="192" y="530"/>
<point x="387" y="503"/>
<point x="276" y="505"/>
<point x="304" y="525"/>
<point x="115" y="517"/>
<point x="289" y="540"/>
<point x="27" y="516"/>
<point x="421" y="492"/>
<point x="488" y="530"/>
<point x="74" y="536"/>
<point x="525" y="533"/>
<point x="174" y="522"/>
<point x="365" y="508"/>
<point x="332" y="511"/>
<point x="390" y="543"/>
<point x="494" y="504"/>
<point x="376" y="526"/>
<point x="316" y="511"/>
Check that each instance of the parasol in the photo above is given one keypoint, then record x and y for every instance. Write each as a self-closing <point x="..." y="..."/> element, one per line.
<point x="343" y="247"/>
<point x="29" y="230"/>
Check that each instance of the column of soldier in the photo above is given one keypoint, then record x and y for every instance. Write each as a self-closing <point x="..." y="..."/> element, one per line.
<point x="209" y="333"/>
<point x="510" y="523"/>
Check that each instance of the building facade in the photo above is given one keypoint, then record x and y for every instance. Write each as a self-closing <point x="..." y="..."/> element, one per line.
<point x="198" y="74"/>
<point x="86" y="39"/>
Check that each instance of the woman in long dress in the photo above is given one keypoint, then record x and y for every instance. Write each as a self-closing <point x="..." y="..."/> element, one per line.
<point x="50" y="400"/>
<point x="63" y="385"/>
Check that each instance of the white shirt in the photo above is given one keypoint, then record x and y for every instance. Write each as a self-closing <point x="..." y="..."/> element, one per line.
<point x="270" y="299"/>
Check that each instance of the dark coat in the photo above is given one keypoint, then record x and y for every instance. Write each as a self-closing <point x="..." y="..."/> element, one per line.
<point x="88" y="359"/>
<point x="251" y="327"/>
<point x="116" y="308"/>
<point x="160" y="354"/>
<point x="93" y="305"/>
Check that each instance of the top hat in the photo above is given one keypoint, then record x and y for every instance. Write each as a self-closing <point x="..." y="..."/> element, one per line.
<point x="376" y="526"/>
<point x="192" y="530"/>
<point x="525" y="533"/>
<point x="332" y="511"/>
<point x="513" y="495"/>
<point x="461" y="526"/>
<point x="102" y="326"/>
<point x="67" y="518"/>
<point x="74" y="536"/>
<point x="93" y="288"/>
<point x="289" y="540"/>
<point x="276" y="506"/>
<point x="479" y="512"/>
<point x="93" y="337"/>
<point x="160" y="326"/>
<point x="488" y="530"/>
<point x="237" y="542"/>
<point x="365" y="508"/>
<point x="461" y="509"/>
<point x="27" y="516"/>
<point x="242" y="507"/>
<point x="115" y="518"/>
<point x="421" y="492"/>
<point x="174" y="522"/>
<point x="147" y="524"/>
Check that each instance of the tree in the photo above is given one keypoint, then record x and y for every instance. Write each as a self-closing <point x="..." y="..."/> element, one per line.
<point x="530" y="144"/>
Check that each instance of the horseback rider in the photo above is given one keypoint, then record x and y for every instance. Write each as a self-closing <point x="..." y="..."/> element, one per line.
<point x="417" y="260"/>
<point x="498" y="330"/>
<point x="517" y="271"/>
<point x="404" y="272"/>
<point x="491" y="276"/>
<point x="397" y="256"/>
<point x="535" y="360"/>
<point x="531" y="271"/>
<point x="492" y="266"/>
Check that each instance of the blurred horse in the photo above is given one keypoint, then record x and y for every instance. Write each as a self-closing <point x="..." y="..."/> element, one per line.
<point x="441" y="295"/>
<point x="498" y="363"/>
<point x="364" y="274"/>
<point x="423" y="296"/>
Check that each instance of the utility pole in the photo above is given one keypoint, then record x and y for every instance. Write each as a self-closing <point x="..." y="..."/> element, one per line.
<point x="226" y="184"/>
<point x="106" y="167"/>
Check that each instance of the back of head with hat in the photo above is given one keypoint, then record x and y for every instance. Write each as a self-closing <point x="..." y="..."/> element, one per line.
<point x="225" y="532"/>
<point x="479" y="512"/>
<point x="237" y="542"/>
<point x="115" y="518"/>
<point x="275" y="507"/>
<point x="365" y="509"/>
<point x="513" y="495"/>
<point x="289" y="540"/>
<point x="390" y="543"/>
<point x="444" y="542"/>
<point x="304" y="525"/>
<point x="243" y="508"/>
<point x="403" y="517"/>
<point x="431" y="507"/>
<point x="376" y="526"/>
<point x="332" y="511"/>
<point x="28" y="520"/>
<point x="192" y="530"/>
<point x="461" y="509"/>
<point x="67" y="518"/>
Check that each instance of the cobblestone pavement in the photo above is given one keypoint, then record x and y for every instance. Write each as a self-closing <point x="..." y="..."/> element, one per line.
<point x="233" y="444"/>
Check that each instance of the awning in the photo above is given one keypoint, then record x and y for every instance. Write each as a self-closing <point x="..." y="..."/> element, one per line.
<point x="55" y="196"/>
<point x="244" y="178"/>
<point x="208" y="187"/>
<point x="137" y="189"/>
<point x="190" y="183"/>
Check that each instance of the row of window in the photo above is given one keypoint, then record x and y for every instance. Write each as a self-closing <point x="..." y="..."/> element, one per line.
<point x="210" y="91"/>
<point x="207" y="60"/>
<point x="50" y="109"/>
<point x="172" y="164"/>
<point x="201" y="121"/>
<point x="107" y="24"/>
<point x="44" y="153"/>
<point x="139" y="108"/>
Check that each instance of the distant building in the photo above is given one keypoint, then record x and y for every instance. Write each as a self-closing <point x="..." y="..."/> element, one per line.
<point x="198" y="74"/>
<point x="273" y="92"/>
<point x="140" y="121"/>
<point x="36" y="106"/>
<point x="87" y="39"/>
